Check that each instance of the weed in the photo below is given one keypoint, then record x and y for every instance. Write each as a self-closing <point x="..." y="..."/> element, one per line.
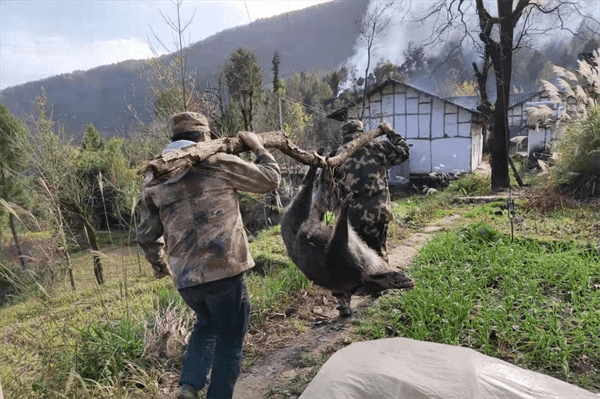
<point x="528" y="302"/>
<point x="470" y="185"/>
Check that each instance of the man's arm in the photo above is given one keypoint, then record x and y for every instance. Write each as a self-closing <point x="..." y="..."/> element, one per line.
<point x="395" y="150"/>
<point x="263" y="175"/>
<point x="149" y="237"/>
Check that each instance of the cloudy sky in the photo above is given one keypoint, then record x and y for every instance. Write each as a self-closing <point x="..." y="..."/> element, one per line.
<point x="44" y="38"/>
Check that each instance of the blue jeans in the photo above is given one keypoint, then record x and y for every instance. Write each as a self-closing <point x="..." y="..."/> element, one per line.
<point x="222" y="313"/>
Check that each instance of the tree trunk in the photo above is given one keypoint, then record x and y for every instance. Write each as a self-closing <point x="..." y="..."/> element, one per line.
<point x="93" y="240"/>
<point x="13" y="228"/>
<point x="169" y="165"/>
<point x="502" y="70"/>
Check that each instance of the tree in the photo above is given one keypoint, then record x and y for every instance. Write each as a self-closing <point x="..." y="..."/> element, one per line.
<point x="173" y="90"/>
<point x="92" y="140"/>
<point x="513" y="26"/>
<point x="84" y="185"/>
<point x="370" y="27"/>
<point x="276" y="62"/>
<point x="386" y="70"/>
<point x="335" y="78"/>
<point x="13" y="161"/>
<point x="414" y="60"/>
<point x="244" y="82"/>
<point x="183" y="82"/>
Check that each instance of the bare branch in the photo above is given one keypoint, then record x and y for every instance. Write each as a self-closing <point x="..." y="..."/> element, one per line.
<point x="172" y="163"/>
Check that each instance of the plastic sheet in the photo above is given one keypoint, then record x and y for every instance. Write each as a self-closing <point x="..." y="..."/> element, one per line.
<point x="406" y="368"/>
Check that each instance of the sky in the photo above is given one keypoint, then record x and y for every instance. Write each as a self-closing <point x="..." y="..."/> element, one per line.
<point x="39" y="39"/>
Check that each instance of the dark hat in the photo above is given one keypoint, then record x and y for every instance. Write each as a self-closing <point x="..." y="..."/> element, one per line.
<point x="184" y="122"/>
<point x="352" y="126"/>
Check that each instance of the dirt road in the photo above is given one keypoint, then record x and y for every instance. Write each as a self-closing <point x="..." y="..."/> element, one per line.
<point x="283" y="363"/>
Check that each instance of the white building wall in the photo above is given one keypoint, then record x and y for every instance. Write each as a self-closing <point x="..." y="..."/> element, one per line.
<point x="477" y="145"/>
<point x="442" y="135"/>
<point x="420" y="156"/>
<point x="538" y="138"/>
<point x="437" y="119"/>
<point x="451" y="155"/>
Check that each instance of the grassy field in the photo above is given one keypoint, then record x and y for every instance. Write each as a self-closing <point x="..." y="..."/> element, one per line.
<point x="524" y="289"/>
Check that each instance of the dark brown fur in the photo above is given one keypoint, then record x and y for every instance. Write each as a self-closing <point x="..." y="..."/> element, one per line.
<point x="334" y="258"/>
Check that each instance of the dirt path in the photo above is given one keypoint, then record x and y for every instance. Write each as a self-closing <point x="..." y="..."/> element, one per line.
<point x="276" y="368"/>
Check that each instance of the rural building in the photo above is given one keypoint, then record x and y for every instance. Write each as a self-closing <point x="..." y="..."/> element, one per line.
<point x="527" y="134"/>
<point x="444" y="136"/>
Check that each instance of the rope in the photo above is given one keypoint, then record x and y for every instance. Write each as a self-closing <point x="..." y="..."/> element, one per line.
<point x="309" y="107"/>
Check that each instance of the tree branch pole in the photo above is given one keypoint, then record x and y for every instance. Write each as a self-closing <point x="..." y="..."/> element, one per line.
<point x="172" y="163"/>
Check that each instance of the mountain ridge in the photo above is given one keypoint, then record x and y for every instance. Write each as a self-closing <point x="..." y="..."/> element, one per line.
<point x="320" y="37"/>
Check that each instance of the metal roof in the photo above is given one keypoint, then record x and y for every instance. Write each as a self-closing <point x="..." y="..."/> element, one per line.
<point x="469" y="103"/>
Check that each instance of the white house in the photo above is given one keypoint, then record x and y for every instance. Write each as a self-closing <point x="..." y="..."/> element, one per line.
<point x="443" y="135"/>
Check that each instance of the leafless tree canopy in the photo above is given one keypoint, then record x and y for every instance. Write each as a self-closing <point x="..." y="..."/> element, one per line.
<point x="370" y="27"/>
<point x="498" y="29"/>
<point x="533" y="18"/>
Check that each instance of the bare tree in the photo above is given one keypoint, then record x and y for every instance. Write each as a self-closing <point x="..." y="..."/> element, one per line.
<point x="515" y="25"/>
<point x="370" y="27"/>
<point x="172" y="86"/>
<point x="181" y="77"/>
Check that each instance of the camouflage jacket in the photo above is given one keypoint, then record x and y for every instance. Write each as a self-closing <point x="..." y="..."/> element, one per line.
<point x="365" y="175"/>
<point x="195" y="216"/>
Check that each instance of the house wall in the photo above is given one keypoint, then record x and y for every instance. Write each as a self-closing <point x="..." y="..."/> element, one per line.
<point x="517" y="118"/>
<point x="443" y="136"/>
<point x="538" y="134"/>
<point x="539" y="137"/>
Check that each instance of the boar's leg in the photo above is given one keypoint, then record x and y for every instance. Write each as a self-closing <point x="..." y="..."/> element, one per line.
<point x="343" y="306"/>
<point x="299" y="209"/>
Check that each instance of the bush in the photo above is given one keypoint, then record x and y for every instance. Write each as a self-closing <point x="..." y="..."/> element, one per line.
<point x="579" y="145"/>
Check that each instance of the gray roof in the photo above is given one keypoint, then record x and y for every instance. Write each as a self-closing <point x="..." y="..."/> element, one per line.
<point x="470" y="103"/>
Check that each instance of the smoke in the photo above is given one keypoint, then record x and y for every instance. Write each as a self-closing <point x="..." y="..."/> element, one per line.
<point x="393" y="42"/>
<point x="407" y="25"/>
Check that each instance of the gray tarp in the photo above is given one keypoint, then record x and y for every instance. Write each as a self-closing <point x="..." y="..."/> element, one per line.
<point x="405" y="368"/>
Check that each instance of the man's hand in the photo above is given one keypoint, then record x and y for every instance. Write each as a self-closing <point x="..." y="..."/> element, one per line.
<point x="161" y="270"/>
<point x="385" y="127"/>
<point x="251" y="140"/>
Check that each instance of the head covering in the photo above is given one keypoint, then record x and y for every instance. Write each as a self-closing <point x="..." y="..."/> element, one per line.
<point x="184" y="122"/>
<point x="352" y="126"/>
<point x="351" y="129"/>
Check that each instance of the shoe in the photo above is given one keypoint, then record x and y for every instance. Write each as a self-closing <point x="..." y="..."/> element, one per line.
<point x="187" y="392"/>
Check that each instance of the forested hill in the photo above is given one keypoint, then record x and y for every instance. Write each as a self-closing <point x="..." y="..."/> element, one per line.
<point x="320" y="37"/>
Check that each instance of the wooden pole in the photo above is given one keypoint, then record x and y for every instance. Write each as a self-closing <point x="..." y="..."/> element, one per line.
<point x="174" y="162"/>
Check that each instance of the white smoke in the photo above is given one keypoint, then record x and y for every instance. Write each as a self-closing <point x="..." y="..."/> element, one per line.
<point x="405" y="27"/>
<point x="408" y="26"/>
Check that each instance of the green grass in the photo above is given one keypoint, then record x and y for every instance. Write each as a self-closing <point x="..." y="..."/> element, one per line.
<point x="532" y="303"/>
<point x="275" y="277"/>
<point x="102" y="340"/>
<point x="532" y="300"/>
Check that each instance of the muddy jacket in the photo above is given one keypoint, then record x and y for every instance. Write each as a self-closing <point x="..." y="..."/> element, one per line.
<point x="196" y="216"/>
<point x="365" y="175"/>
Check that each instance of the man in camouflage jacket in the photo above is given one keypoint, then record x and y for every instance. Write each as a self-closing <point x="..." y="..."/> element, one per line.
<point x="364" y="175"/>
<point x="195" y="217"/>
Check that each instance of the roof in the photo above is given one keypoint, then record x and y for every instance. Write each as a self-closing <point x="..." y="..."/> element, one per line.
<point x="341" y="113"/>
<point x="514" y="99"/>
<point x="469" y="103"/>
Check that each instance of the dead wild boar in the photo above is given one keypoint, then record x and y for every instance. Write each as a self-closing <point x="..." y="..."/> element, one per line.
<point x="334" y="258"/>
